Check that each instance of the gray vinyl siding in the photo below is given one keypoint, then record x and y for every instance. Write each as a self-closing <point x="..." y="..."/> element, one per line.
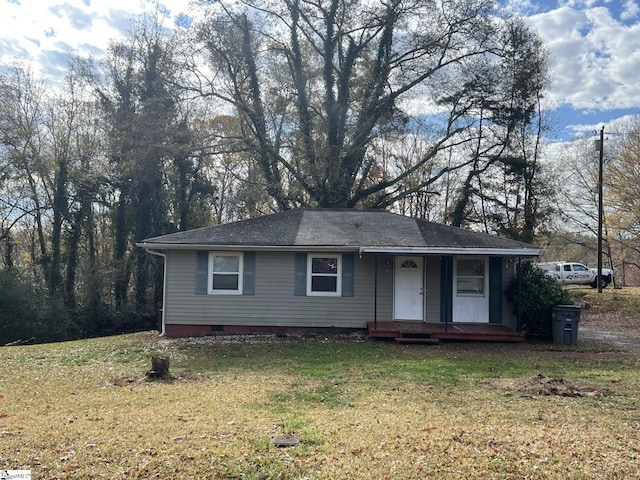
<point x="273" y="302"/>
<point x="385" y="288"/>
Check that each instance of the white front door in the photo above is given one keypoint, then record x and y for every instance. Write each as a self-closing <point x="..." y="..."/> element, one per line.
<point x="408" y="288"/>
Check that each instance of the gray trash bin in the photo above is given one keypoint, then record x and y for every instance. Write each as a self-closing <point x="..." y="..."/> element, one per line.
<point x="565" y="320"/>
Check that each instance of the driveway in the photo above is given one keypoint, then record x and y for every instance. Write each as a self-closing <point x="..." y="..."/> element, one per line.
<point x="619" y="329"/>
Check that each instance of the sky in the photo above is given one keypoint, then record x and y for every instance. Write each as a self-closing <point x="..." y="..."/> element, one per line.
<point x="594" y="47"/>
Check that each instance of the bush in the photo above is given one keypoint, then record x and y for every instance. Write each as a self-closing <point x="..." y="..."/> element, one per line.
<point x="534" y="294"/>
<point x="28" y="313"/>
<point x="99" y="320"/>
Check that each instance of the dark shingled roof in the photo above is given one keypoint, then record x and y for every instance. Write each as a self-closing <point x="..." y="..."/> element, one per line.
<point x="336" y="228"/>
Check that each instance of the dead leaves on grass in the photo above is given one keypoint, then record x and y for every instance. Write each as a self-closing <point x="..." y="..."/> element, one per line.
<point x="541" y="385"/>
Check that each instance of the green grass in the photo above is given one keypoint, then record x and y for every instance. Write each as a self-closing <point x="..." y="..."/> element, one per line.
<point x="621" y="300"/>
<point x="85" y="410"/>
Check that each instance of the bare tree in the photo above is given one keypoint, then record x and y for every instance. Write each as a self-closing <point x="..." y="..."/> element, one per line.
<point x="504" y="190"/>
<point x="24" y="140"/>
<point x="158" y="154"/>
<point x="314" y="83"/>
<point x="622" y="180"/>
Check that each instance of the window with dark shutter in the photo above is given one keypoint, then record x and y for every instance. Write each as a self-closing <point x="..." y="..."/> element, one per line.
<point x="225" y="273"/>
<point x="324" y="275"/>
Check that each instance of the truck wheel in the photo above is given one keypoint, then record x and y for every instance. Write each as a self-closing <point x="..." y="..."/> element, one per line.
<point x="604" y="282"/>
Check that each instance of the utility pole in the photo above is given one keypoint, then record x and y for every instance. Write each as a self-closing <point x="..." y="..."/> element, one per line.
<point x="600" y="209"/>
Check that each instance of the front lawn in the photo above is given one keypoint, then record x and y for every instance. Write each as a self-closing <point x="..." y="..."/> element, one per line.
<point x="360" y="409"/>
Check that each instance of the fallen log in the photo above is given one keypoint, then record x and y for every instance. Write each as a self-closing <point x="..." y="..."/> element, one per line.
<point x="19" y="342"/>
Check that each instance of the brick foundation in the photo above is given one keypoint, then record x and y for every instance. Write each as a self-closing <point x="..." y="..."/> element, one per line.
<point x="174" y="330"/>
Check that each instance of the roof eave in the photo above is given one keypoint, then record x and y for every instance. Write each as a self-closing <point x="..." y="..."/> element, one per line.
<point x="265" y="248"/>
<point x="514" y="252"/>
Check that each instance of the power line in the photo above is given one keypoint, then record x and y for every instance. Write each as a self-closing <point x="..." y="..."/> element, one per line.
<point x="624" y="134"/>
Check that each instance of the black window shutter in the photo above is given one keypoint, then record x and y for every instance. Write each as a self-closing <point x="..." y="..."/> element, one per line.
<point x="249" y="274"/>
<point x="348" y="267"/>
<point x="495" y="290"/>
<point x="446" y="289"/>
<point x="202" y="272"/>
<point x="300" y="279"/>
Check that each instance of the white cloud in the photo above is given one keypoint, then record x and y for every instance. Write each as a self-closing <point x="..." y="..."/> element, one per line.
<point x="630" y="10"/>
<point x="78" y="18"/>
<point x="595" y="59"/>
<point x="594" y="44"/>
<point x="47" y="35"/>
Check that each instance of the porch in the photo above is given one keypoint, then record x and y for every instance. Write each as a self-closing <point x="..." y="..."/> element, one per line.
<point x="422" y="332"/>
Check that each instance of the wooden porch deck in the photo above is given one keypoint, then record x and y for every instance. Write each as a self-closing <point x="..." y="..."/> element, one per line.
<point x="421" y="332"/>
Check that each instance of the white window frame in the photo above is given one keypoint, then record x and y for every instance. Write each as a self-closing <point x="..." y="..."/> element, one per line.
<point x="240" y="271"/>
<point x="310" y="275"/>
<point x="484" y="277"/>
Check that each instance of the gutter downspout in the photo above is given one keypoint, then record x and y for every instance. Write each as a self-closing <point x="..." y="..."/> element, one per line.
<point x="164" y="283"/>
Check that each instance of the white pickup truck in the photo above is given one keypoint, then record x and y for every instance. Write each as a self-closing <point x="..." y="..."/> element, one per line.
<point x="570" y="273"/>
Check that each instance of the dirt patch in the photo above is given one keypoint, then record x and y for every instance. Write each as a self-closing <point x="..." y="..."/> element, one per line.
<point x="541" y="385"/>
<point x="186" y="377"/>
<point x="124" y="381"/>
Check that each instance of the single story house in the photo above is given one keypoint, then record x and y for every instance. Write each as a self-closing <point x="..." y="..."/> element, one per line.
<point x="339" y="270"/>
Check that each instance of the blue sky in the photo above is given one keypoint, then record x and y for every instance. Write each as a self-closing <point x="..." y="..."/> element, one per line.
<point x="594" y="47"/>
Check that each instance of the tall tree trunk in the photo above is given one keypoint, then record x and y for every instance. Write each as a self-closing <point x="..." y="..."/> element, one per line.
<point x="121" y="281"/>
<point x="94" y="284"/>
<point x="43" y="260"/>
<point x="60" y="208"/>
<point x="72" y="253"/>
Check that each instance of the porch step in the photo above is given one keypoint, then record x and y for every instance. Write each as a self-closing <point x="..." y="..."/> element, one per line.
<point x="417" y="340"/>
<point x="384" y="333"/>
<point x="418" y="332"/>
<point x="481" y="337"/>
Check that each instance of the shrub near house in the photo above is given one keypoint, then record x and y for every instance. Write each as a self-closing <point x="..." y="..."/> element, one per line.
<point x="534" y="293"/>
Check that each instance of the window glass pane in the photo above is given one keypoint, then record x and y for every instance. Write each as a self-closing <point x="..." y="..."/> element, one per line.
<point x="470" y="285"/>
<point x="324" y="284"/>
<point x="409" y="264"/>
<point x="223" y="263"/>
<point x="225" y="282"/>
<point x="324" y="265"/>
<point x="471" y="268"/>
